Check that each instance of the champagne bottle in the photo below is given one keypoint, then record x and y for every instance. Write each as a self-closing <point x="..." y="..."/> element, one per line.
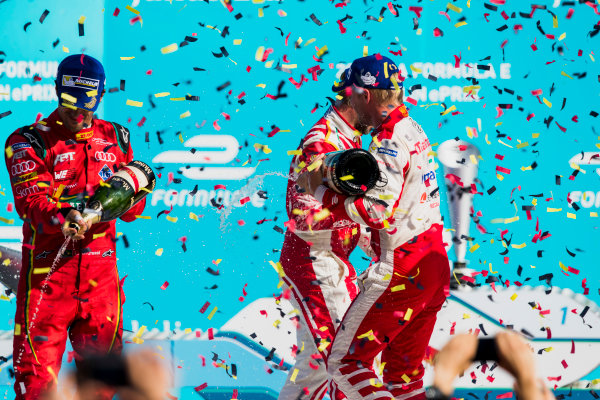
<point x="125" y="188"/>
<point x="350" y="172"/>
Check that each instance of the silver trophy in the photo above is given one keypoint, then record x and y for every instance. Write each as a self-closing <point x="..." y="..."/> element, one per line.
<point x="456" y="157"/>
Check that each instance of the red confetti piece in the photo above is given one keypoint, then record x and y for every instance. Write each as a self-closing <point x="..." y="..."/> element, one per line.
<point x="141" y="122"/>
<point x="572" y="346"/>
<point x="165" y="285"/>
<point x="211" y="334"/>
<point x="570" y="13"/>
<point x="216" y="125"/>
<point x="504" y="15"/>
<point x="264" y="312"/>
<point x="530" y="116"/>
<point x="416" y="10"/>
<point x="564" y="364"/>
<point x="392" y="9"/>
<point x="135" y="19"/>
<point x="201" y="387"/>
<point x="219" y="186"/>
<point x="560" y="127"/>
<point x="437" y="32"/>
<point x="234" y="395"/>
<point x="411" y="101"/>
<point x="116" y="12"/>
<point x="9" y="207"/>
<point x="502" y="169"/>
<point x="204" y="307"/>
<point x="241" y="222"/>
<point x="244" y="200"/>
<point x="507" y="395"/>
<point x="341" y="25"/>
<point x="227" y="117"/>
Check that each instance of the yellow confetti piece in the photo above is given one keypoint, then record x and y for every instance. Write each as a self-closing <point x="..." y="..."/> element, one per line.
<point x="387" y="277"/>
<point x="346" y="178"/>
<point x="571" y="215"/>
<point x="473" y="159"/>
<point x="98" y="235"/>
<point x="562" y="266"/>
<point x="269" y="63"/>
<point x="369" y="334"/>
<point x="321" y="215"/>
<point x="547" y="102"/>
<point x="41" y="270"/>
<point x="9" y="152"/>
<point x="593" y="214"/>
<point x="187" y="330"/>
<point x="449" y="110"/>
<point x="563" y="73"/>
<point x="162" y="94"/>
<point x="194" y="216"/>
<point x="159" y="252"/>
<point x="92" y="93"/>
<point x="321" y="51"/>
<point x="408" y="314"/>
<point x="81" y="20"/>
<point x="134" y="103"/>
<point x="324" y="344"/>
<point x="140" y="332"/>
<point x="169" y="49"/>
<point x="518" y="246"/>
<point x="294" y="375"/>
<point x="405" y="378"/>
<point x="459" y="24"/>
<point x="172" y="219"/>
<point x="294" y="152"/>
<point x="549" y="209"/>
<point x="454" y="8"/>
<point x="93" y="282"/>
<point x="554" y="21"/>
<point x="398" y="288"/>
<point x="17" y="329"/>
<point x="177" y="99"/>
<point x="521" y="145"/>
<point x="514" y="296"/>
<point x="126" y="58"/>
<point x="386" y="196"/>
<point x="237" y="42"/>
<point x="323" y="328"/>
<point x="365" y="51"/>
<point x="7" y="221"/>
<point x="466" y="316"/>
<point x="68" y="97"/>
<point x="6" y="262"/>
<point x="143" y="216"/>
<point x="65" y="49"/>
<point x="212" y="313"/>
<point x="375" y="382"/>
<point x="474" y="247"/>
<point x="261" y="13"/>
<point x="133" y="10"/>
<point x="276" y="323"/>
<point x="185" y="115"/>
<point x="561" y="37"/>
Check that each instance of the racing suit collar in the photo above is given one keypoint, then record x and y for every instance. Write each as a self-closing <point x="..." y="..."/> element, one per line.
<point x="392" y="119"/>
<point x="54" y="122"/>
<point x="345" y="128"/>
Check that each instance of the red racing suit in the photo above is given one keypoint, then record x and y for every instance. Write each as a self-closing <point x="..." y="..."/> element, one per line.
<point x="52" y="171"/>
<point x="315" y="260"/>
<point x="401" y="293"/>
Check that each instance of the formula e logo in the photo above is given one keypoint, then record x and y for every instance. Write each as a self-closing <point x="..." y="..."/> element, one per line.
<point x="105" y="173"/>
<point x="64" y="157"/>
<point x="216" y="149"/>
<point x="22" y="167"/>
<point x="106" y="157"/>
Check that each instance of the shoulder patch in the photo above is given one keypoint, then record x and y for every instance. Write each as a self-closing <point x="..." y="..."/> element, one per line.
<point x="122" y="137"/>
<point x="34" y="139"/>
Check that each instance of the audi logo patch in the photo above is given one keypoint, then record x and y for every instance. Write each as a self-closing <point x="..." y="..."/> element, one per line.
<point x="22" y="167"/>
<point x="106" y="157"/>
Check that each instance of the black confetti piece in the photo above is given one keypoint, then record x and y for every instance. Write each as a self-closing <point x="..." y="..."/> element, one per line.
<point x="43" y="16"/>
<point x="269" y="357"/>
<point x="81" y="31"/>
<point x="223" y="53"/>
<point x="151" y="306"/>
<point x="122" y="85"/>
<point x="314" y="19"/>
<point x="26" y="26"/>
<point x="5" y="114"/>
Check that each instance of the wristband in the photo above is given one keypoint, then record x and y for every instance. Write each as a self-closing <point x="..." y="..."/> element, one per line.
<point x="433" y="393"/>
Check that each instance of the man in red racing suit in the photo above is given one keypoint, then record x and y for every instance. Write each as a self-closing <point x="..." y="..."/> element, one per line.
<point x="315" y="258"/>
<point x="54" y="166"/>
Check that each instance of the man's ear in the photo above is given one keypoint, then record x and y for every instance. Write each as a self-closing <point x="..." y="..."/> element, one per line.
<point x="367" y="94"/>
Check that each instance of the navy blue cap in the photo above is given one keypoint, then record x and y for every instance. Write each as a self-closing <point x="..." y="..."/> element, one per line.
<point x="371" y="72"/>
<point x="80" y="81"/>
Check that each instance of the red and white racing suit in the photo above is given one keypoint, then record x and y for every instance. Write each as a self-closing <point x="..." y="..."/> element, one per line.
<point x="315" y="260"/>
<point x="53" y="170"/>
<point x="401" y="293"/>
